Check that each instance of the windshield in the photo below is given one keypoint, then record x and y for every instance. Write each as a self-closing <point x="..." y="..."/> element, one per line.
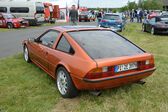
<point x="111" y="17"/>
<point x="8" y="16"/>
<point x="84" y="13"/>
<point x="39" y="8"/>
<point x="104" y="44"/>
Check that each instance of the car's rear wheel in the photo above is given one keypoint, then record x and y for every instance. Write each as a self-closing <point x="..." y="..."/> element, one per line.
<point x="26" y="54"/>
<point x="9" y="25"/>
<point x="65" y="84"/>
<point x="143" y="28"/>
<point x="153" y="31"/>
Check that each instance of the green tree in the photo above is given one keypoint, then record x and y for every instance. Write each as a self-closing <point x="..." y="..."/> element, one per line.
<point x="140" y="3"/>
<point x="132" y="5"/>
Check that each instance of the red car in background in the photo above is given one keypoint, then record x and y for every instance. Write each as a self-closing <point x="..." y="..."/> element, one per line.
<point x="10" y="21"/>
<point x="153" y="14"/>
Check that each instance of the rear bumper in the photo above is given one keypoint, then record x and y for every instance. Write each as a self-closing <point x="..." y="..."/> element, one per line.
<point x="113" y="27"/>
<point x="111" y="82"/>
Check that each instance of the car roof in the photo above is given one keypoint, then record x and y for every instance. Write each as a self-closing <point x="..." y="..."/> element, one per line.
<point x="76" y="28"/>
<point x="161" y="16"/>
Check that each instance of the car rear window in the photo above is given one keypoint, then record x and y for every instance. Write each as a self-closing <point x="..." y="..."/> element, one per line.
<point x="111" y="17"/>
<point x="100" y="44"/>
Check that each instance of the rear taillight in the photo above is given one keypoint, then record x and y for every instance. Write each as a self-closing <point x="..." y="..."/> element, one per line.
<point x="147" y="64"/>
<point x="103" y="20"/>
<point x="100" y="73"/>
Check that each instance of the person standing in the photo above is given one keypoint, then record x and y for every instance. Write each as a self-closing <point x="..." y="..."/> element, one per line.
<point x="140" y="16"/>
<point x="73" y="15"/>
<point x="132" y="15"/>
<point x="99" y="16"/>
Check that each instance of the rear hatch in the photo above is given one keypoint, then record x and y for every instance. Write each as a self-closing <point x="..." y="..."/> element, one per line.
<point x="111" y="20"/>
<point x="112" y="53"/>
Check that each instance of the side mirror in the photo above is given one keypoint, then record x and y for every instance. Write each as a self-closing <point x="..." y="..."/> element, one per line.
<point x="32" y="39"/>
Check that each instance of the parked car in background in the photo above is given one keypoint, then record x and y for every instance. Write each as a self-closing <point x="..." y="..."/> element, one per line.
<point x="10" y="21"/>
<point x="86" y="16"/>
<point x="122" y="17"/>
<point x="29" y="10"/>
<point x="113" y="21"/>
<point x="165" y="14"/>
<point x="153" y="14"/>
<point x="88" y="58"/>
<point x="158" y="24"/>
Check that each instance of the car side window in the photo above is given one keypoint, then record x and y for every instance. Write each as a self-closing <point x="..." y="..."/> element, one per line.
<point x="49" y="38"/>
<point x="63" y="45"/>
<point x="152" y="21"/>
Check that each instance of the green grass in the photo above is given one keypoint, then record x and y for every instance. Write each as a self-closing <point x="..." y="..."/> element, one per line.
<point x="4" y="29"/>
<point x="26" y="88"/>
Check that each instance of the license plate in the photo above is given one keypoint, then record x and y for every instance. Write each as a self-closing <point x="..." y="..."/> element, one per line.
<point x="125" y="67"/>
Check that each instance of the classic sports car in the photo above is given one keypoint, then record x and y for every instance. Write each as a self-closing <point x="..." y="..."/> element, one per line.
<point x="158" y="24"/>
<point x="113" y="21"/>
<point x="10" y="21"/>
<point x="88" y="58"/>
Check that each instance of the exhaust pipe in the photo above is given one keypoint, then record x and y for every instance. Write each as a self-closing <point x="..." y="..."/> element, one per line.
<point x="141" y="82"/>
<point x="95" y="92"/>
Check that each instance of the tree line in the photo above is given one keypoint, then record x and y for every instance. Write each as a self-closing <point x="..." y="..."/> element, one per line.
<point x="143" y="4"/>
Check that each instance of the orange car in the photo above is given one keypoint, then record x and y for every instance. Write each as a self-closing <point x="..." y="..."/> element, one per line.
<point x="88" y="58"/>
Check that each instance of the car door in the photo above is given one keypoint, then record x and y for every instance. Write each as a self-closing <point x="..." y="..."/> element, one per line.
<point x="152" y="22"/>
<point x="40" y="49"/>
<point x="62" y="49"/>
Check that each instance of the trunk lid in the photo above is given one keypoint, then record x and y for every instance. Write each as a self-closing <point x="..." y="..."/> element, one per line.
<point x="123" y="60"/>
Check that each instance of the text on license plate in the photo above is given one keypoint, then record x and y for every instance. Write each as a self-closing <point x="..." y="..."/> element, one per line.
<point x="125" y="67"/>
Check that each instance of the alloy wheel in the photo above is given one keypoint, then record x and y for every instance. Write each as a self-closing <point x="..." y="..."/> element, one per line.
<point x="62" y="82"/>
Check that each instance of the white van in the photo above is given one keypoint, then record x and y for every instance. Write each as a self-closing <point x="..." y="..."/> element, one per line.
<point x="29" y="10"/>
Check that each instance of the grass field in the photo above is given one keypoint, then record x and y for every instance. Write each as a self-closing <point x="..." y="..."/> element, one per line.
<point x="26" y="88"/>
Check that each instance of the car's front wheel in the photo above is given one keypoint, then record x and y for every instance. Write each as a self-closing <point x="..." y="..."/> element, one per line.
<point x="65" y="84"/>
<point x="153" y="31"/>
<point x="143" y="28"/>
<point x="9" y="25"/>
<point x="26" y="54"/>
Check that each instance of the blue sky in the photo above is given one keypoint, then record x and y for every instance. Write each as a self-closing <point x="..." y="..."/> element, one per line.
<point x="96" y="3"/>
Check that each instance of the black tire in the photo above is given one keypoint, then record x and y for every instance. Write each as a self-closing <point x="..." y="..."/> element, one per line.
<point x="143" y="28"/>
<point x="26" y="54"/>
<point x="10" y="25"/>
<point x="71" y="91"/>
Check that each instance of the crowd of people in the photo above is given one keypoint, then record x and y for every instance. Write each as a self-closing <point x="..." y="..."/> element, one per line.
<point x="134" y="15"/>
<point x="139" y="15"/>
